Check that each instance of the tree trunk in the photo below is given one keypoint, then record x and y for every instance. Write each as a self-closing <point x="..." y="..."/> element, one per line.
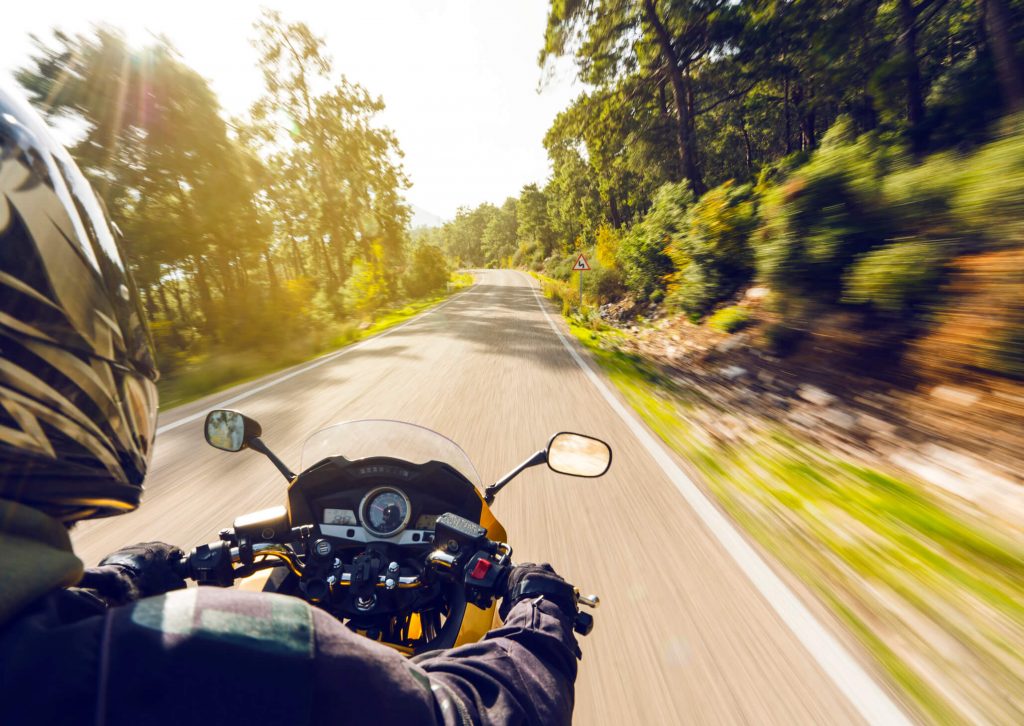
<point x="915" y="97"/>
<point x="684" y="134"/>
<point x="182" y="310"/>
<point x="785" y="115"/>
<point x="613" y="211"/>
<point x="205" y="299"/>
<point x="996" y="19"/>
<point x="749" y="153"/>
<point x="271" y="274"/>
<point x="162" y="295"/>
<point x="808" y="138"/>
<point x="147" y="296"/>
<point x="297" y="255"/>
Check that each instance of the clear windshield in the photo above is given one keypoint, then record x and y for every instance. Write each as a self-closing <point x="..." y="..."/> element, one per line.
<point x="378" y="437"/>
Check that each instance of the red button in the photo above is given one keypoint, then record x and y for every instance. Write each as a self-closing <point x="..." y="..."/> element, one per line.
<point x="480" y="569"/>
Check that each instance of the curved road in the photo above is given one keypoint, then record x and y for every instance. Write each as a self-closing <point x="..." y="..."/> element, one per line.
<point x="682" y="635"/>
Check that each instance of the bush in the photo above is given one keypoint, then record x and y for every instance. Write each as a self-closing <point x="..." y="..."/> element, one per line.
<point x="712" y="253"/>
<point x="899" y="278"/>
<point x="729" y="320"/>
<point x="561" y="291"/>
<point x="559" y="265"/>
<point x="824" y="217"/>
<point x="366" y="288"/>
<point x="603" y="284"/>
<point x="606" y="247"/>
<point x="641" y="255"/>
<point x="781" y="339"/>
<point x="988" y="200"/>
<point x="427" y="273"/>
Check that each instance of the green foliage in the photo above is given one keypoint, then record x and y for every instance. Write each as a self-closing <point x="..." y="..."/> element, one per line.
<point x="427" y="272"/>
<point x="989" y="195"/>
<point x="824" y="216"/>
<point x="711" y="252"/>
<point x="641" y="256"/>
<point x="729" y="320"/>
<point x="899" y="278"/>
<point x="366" y="289"/>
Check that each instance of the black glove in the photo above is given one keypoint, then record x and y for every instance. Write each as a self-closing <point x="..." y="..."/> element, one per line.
<point x="149" y="566"/>
<point x="530" y="580"/>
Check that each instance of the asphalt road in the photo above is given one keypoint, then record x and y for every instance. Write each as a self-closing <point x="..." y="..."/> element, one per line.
<point x="682" y="636"/>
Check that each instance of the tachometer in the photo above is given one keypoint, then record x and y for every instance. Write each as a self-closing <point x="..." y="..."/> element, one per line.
<point x="385" y="511"/>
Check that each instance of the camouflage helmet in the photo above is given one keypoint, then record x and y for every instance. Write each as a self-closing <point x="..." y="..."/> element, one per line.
<point x="77" y="373"/>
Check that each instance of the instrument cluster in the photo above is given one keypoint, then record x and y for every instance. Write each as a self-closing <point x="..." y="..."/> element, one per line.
<point x="384" y="512"/>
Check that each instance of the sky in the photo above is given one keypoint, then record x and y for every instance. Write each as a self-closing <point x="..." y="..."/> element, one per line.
<point x="460" y="78"/>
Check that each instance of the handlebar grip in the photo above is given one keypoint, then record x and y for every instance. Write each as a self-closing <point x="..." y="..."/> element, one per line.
<point x="183" y="567"/>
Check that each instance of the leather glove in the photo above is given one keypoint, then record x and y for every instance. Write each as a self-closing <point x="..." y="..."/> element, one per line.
<point x="530" y="580"/>
<point x="149" y="565"/>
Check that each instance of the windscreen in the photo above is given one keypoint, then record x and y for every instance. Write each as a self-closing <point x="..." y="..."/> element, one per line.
<point x="370" y="438"/>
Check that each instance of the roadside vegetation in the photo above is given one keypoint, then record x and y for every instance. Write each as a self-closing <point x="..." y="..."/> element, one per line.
<point x="212" y="371"/>
<point x="805" y="223"/>
<point x="256" y="242"/>
<point x="932" y="590"/>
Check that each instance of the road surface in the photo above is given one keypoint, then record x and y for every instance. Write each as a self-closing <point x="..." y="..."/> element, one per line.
<point x="682" y="636"/>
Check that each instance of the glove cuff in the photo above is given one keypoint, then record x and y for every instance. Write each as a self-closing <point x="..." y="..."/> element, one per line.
<point x="557" y="591"/>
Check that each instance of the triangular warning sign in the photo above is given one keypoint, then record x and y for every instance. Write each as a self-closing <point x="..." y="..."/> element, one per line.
<point x="581" y="264"/>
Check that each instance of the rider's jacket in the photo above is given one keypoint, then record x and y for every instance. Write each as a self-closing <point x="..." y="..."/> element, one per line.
<point x="206" y="655"/>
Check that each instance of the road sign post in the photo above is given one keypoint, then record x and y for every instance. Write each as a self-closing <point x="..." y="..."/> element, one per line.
<point x="581" y="266"/>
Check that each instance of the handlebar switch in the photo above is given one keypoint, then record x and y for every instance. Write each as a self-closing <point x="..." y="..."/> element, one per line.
<point x="210" y="564"/>
<point x="482" y="578"/>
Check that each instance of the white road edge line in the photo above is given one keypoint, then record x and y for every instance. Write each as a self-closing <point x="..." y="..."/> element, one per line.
<point x="866" y="696"/>
<point x="327" y="358"/>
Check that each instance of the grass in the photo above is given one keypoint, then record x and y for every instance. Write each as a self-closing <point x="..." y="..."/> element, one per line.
<point x="219" y="370"/>
<point x="933" y="592"/>
<point x="729" y="320"/>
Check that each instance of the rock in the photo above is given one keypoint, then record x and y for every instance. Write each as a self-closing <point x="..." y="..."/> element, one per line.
<point x="839" y="419"/>
<point x="731" y="343"/>
<point x="815" y="395"/>
<point x="876" y="425"/>
<point x="956" y="396"/>
<point x="802" y="418"/>
<point x="757" y="293"/>
<point x="733" y="372"/>
<point x="766" y="377"/>
<point x="777" y="402"/>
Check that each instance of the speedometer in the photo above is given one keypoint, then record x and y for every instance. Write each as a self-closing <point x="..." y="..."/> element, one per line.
<point x="385" y="511"/>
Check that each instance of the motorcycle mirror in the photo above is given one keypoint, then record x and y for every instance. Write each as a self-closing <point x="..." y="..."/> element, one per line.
<point x="578" y="455"/>
<point x="230" y="430"/>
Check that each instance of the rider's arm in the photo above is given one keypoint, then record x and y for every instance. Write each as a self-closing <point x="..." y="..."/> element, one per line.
<point x="521" y="673"/>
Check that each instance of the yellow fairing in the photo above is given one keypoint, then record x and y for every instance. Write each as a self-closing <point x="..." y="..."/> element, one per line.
<point x="255" y="582"/>
<point x="495" y="532"/>
<point x="478" y="622"/>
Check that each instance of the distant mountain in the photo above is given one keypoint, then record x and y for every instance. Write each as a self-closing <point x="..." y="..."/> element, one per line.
<point x="422" y="218"/>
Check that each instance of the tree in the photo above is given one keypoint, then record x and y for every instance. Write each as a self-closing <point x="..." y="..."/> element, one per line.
<point x="337" y="174"/>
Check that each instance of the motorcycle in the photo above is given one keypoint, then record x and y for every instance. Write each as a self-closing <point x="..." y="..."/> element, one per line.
<point x="387" y="527"/>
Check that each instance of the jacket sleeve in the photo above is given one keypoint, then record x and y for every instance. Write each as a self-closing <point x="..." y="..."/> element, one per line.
<point x="522" y="673"/>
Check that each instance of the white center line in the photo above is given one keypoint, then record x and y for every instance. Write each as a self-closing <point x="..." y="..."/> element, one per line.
<point x="873" y="703"/>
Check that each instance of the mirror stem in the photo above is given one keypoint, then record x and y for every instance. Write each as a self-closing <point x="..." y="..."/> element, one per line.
<point x="539" y="458"/>
<point x="256" y="444"/>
